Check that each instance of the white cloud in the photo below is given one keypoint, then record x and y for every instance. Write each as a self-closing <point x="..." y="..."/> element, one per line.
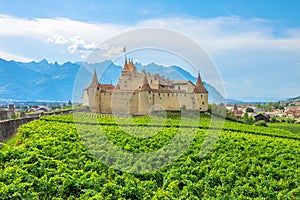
<point x="79" y="44"/>
<point x="10" y="56"/>
<point x="57" y="29"/>
<point x="113" y="52"/>
<point x="253" y="44"/>
<point x="57" y="40"/>
<point x="104" y="46"/>
<point x="217" y="35"/>
<point x="230" y="33"/>
<point x="248" y="82"/>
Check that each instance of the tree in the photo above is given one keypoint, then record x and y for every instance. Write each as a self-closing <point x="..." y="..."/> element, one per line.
<point x="272" y="119"/>
<point x="248" y="119"/>
<point x="261" y="123"/>
<point x="268" y="107"/>
<point x="183" y="108"/>
<point x="235" y="107"/>
<point x="69" y="103"/>
<point x="249" y="110"/>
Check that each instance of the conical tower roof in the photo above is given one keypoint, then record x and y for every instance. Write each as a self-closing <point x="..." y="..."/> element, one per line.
<point x="145" y="86"/>
<point x="199" y="88"/>
<point x="95" y="82"/>
<point x="125" y="68"/>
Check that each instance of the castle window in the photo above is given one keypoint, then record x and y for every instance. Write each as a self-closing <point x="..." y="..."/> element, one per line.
<point x="149" y="92"/>
<point x="202" y="103"/>
<point x="201" y="95"/>
<point x="184" y="94"/>
<point x="178" y="87"/>
<point x="151" y="81"/>
<point x="168" y="94"/>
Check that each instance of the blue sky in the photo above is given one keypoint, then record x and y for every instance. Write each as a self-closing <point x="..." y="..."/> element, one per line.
<point x="254" y="44"/>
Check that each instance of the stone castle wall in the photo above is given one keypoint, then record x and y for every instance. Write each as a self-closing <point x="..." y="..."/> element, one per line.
<point x="143" y="102"/>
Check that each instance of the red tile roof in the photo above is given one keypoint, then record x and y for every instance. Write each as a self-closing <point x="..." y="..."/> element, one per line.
<point x="95" y="82"/>
<point x="145" y="86"/>
<point x="107" y="87"/>
<point x="199" y="88"/>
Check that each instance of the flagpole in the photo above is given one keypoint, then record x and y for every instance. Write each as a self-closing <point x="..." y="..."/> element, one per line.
<point x="124" y="50"/>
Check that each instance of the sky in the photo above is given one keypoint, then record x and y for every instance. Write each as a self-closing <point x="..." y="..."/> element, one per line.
<point x="255" y="45"/>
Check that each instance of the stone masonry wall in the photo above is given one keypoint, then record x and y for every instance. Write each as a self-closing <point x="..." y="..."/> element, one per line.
<point x="9" y="127"/>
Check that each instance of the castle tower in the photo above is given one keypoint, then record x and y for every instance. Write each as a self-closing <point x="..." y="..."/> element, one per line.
<point x="132" y="68"/>
<point x="145" y="86"/>
<point x="125" y="70"/>
<point x="145" y="93"/>
<point x="201" y="95"/>
<point x="11" y="107"/>
<point x="129" y="69"/>
<point x="91" y="93"/>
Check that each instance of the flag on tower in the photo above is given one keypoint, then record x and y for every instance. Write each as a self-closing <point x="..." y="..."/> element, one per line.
<point x="124" y="49"/>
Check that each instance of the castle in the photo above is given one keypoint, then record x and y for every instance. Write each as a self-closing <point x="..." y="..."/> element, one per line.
<point x="142" y="93"/>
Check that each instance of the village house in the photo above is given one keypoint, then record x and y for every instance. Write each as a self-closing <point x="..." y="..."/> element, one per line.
<point x="292" y="111"/>
<point x="7" y="113"/>
<point x="238" y="113"/>
<point x="261" y="116"/>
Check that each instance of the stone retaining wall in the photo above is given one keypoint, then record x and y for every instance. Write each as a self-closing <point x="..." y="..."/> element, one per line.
<point x="9" y="127"/>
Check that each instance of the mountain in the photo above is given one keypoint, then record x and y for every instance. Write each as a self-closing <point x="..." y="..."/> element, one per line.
<point x="290" y="100"/>
<point x="234" y="101"/>
<point x="36" y="80"/>
<point x="52" y="81"/>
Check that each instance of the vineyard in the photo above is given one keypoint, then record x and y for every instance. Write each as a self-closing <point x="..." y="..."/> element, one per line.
<point x="55" y="157"/>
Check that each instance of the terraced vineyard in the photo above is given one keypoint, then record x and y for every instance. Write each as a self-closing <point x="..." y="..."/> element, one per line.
<point x="50" y="159"/>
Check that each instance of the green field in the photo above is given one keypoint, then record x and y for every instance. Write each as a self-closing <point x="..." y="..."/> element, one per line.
<point x="51" y="160"/>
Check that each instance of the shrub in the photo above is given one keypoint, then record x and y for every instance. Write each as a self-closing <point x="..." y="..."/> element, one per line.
<point x="261" y="123"/>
